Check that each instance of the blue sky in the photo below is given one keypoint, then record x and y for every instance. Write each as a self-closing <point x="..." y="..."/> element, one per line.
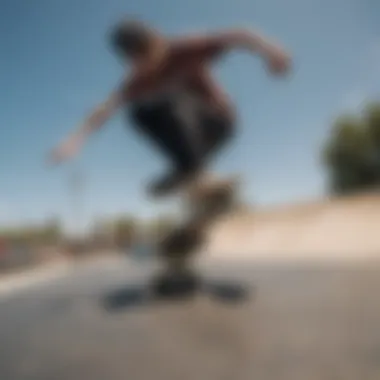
<point x="55" y="66"/>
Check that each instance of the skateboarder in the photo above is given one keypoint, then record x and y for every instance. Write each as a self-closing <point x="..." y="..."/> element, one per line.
<point x="173" y="99"/>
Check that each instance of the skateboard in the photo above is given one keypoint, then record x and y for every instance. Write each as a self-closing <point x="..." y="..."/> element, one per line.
<point x="178" y="247"/>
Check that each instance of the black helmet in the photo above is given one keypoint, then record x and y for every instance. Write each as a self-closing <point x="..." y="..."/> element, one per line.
<point x="131" y="37"/>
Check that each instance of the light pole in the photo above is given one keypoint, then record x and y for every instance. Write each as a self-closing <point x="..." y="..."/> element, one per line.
<point x="76" y="185"/>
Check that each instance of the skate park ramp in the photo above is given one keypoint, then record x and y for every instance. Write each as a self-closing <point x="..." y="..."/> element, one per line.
<point x="303" y="319"/>
<point x="331" y="229"/>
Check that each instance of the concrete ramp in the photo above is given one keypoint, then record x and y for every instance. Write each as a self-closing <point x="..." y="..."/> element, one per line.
<point x="331" y="229"/>
<point x="302" y="322"/>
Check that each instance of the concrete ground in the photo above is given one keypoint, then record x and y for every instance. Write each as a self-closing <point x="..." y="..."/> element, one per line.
<point x="300" y="321"/>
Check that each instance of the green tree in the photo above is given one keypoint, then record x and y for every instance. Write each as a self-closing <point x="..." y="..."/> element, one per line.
<point x="351" y="155"/>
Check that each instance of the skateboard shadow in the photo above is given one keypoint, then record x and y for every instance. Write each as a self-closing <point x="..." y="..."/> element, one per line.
<point x="134" y="296"/>
<point x="126" y="298"/>
<point x="228" y="292"/>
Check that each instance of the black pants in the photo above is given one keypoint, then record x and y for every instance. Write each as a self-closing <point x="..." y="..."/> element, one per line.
<point x="187" y="130"/>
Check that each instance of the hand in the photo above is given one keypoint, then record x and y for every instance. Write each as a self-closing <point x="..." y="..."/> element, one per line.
<point x="278" y="61"/>
<point x="67" y="150"/>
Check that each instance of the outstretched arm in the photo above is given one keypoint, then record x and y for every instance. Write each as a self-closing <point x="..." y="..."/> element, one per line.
<point x="71" y="146"/>
<point x="212" y="45"/>
<point x="101" y="114"/>
<point x="126" y="92"/>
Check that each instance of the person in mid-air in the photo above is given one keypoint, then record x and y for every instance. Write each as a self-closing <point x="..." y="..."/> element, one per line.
<point x="173" y="99"/>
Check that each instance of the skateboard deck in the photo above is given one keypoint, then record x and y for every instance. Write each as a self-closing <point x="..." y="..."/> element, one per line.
<point x="183" y="242"/>
<point x="203" y="209"/>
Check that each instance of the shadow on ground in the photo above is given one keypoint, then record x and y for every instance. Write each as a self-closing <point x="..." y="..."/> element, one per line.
<point x="308" y="321"/>
<point x="132" y="296"/>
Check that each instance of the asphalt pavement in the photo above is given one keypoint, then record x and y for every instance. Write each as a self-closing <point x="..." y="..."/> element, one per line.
<point x="295" y="321"/>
